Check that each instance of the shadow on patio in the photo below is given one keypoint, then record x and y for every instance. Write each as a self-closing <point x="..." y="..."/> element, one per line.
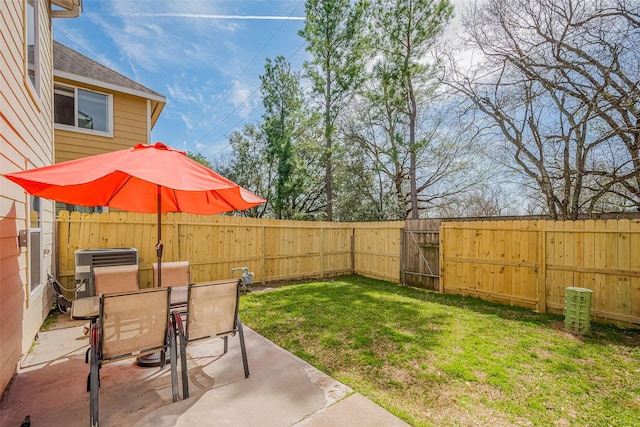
<point x="283" y="390"/>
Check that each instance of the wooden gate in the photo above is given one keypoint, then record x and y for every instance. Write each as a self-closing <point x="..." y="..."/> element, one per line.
<point x="420" y="254"/>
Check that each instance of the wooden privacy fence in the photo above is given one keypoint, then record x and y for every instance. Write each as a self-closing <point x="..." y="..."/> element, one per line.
<point x="531" y="263"/>
<point x="528" y="263"/>
<point x="274" y="250"/>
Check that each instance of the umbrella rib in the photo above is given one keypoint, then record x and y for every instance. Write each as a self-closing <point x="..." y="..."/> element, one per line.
<point x="118" y="190"/>
<point x="175" y="197"/>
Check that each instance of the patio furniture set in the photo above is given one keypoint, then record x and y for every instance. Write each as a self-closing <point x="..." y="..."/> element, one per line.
<point x="128" y="322"/>
<point x="125" y="321"/>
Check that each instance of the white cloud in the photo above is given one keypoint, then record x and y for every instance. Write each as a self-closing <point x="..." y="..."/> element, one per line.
<point x="243" y="97"/>
<point x="204" y="56"/>
<point x="183" y="95"/>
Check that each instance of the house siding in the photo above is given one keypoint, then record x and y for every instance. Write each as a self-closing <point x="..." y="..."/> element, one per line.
<point x="26" y="141"/>
<point x="129" y="128"/>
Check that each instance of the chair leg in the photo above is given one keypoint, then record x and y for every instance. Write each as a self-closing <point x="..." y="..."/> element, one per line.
<point x="94" y="377"/>
<point x="173" y="354"/>
<point x="177" y="319"/>
<point x="245" y="363"/>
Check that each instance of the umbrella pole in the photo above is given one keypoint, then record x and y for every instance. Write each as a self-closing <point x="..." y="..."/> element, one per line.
<point x="159" y="245"/>
<point x="155" y="359"/>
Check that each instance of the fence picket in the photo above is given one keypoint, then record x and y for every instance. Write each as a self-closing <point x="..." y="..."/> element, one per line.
<point x="546" y="257"/>
<point x="273" y="250"/>
<point x="521" y="262"/>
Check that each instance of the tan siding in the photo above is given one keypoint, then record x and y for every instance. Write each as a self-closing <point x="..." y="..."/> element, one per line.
<point x="11" y="282"/>
<point x="25" y="142"/>
<point x="130" y="119"/>
<point x="10" y="18"/>
<point x="129" y="123"/>
<point x="73" y="145"/>
<point x="129" y="104"/>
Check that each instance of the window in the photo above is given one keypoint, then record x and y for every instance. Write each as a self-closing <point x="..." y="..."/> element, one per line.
<point x="78" y="208"/>
<point x="35" y="243"/>
<point x="32" y="44"/>
<point x="64" y="105"/>
<point x="81" y="109"/>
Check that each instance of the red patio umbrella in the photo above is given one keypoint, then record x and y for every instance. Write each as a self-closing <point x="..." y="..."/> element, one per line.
<point x="146" y="178"/>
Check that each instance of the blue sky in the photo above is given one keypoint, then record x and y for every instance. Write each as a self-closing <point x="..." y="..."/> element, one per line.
<point x="204" y="56"/>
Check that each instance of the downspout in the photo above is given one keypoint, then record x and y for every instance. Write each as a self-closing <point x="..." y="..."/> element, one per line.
<point x="70" y="8"/>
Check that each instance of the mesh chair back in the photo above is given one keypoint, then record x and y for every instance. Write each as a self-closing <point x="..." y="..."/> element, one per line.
<point x="134" y="323"/>
<point x="212" y="309"/>
<point x="175" y="273"/>
<point x="116" y="279"/>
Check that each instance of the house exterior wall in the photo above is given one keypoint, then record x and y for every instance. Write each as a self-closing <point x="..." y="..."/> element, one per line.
<point x="26" y="141"/>
<point x="130" y="127"/>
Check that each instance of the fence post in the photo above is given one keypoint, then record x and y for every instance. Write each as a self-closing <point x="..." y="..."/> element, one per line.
<point x="263" y="260"/>
<point x="176" y="217"/>
<point x="542" y="271"/>
<point x="402" y="256"/>
<point x="322" y="252"/>
<point x="441" y="251"/>
<point x="353" y="251"/>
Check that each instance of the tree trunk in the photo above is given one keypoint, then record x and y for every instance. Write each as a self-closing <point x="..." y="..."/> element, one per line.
<point x="328" y="148"/>
<point x="415" y="214"/>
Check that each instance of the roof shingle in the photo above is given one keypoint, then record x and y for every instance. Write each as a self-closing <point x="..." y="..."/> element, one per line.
<point x="68" y="60"/>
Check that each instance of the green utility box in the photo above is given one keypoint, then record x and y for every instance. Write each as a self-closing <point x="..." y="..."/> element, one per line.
<point x="577" y="311"/>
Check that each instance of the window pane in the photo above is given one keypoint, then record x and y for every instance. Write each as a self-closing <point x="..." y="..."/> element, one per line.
<point x="35" y="249"/>
<point x="31" y="41"/>
<point x="35" y="210"/>
<point x="92" y="111"/>
<point x="63" y="108"/>
<point x="35" y="242"/>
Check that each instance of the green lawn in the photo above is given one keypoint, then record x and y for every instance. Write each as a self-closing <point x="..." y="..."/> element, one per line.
<point x="442" y="360"/>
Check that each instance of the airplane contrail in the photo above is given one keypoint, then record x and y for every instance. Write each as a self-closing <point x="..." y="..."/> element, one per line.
<point x="209" y="16"/>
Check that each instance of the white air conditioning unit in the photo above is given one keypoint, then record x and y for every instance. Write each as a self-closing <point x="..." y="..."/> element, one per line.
<point x="88" y="259"/>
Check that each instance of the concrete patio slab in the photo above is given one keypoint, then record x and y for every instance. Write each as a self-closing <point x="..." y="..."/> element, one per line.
<point x="282" y="390"/>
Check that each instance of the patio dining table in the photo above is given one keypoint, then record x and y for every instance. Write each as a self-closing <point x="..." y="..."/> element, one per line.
<point x="88" y="308"/>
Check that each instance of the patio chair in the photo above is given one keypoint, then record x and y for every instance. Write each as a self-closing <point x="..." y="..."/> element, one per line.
<point x="130" y="325"/>
<point x="212" y="312"/>
<point x="174" y="273"/>
<point x="115" y="279"/>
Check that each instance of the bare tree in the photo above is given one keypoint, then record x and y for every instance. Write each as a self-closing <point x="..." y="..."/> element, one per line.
<point x="449" y="160"/>
<point x="559" y="81"/>
<point x="485" y="201"/>
<point x="405" y="32"/>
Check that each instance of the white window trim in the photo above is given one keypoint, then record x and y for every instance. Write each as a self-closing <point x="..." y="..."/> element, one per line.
<point x="33" y="89"/>
<point x="35" y="294"/>
<point x="69" y="128"/>
<point x="35" y="288"/>
<point x="148" y="121"/>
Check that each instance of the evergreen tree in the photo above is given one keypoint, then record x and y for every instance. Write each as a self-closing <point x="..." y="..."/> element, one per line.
<point x="406" y="30"/>
<point x="333" y="30"/>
